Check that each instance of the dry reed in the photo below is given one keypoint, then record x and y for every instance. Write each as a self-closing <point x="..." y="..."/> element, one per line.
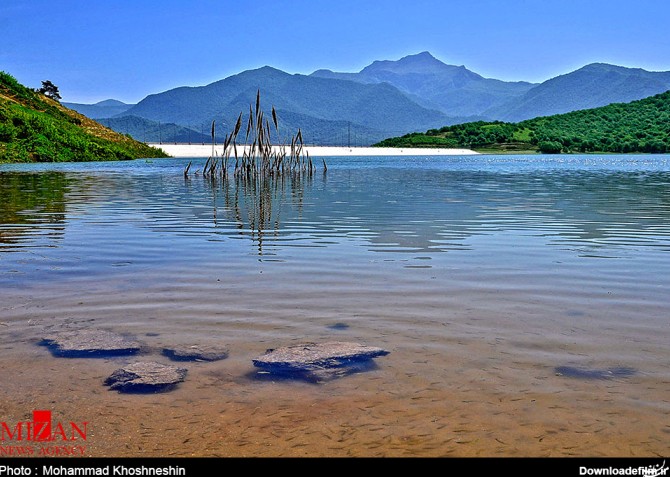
<point x="259" y="158"/>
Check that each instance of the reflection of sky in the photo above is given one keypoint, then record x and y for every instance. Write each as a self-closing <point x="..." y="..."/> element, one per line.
<point x="415" y="205"/>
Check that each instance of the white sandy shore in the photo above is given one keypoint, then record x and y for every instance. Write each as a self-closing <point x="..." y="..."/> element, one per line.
<point x="199" y="150"/>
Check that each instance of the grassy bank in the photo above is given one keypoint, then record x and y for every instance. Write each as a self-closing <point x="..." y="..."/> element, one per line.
<point x="638" y="127"/>
<point x="35" y="128"/>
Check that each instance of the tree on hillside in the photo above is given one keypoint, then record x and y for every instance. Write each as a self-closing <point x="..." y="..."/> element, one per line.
<point x="50" y="90"/>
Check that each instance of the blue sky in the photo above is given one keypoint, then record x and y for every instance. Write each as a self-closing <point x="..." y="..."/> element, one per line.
<point x="127" y="49"/>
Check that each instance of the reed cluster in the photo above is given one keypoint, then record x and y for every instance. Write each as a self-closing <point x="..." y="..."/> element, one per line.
<point x="258" y="158"/>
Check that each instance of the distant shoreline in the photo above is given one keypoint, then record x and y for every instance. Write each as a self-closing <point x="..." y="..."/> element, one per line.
<point x="200" y="150"/>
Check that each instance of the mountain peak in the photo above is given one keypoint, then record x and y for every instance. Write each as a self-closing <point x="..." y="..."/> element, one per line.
<point x="606" y="67"/>
<point x="423" y="56"/>
<point x="262" y="72"/>
<point x="591" y="86"/>
<point x="111" y="102"/>
<point x="270" y="69"/>
<point x="423" y="62"/>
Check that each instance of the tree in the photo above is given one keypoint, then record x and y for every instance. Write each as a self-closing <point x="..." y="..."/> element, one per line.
<point x="550" y="147"/>
<point x="50" y="90"/>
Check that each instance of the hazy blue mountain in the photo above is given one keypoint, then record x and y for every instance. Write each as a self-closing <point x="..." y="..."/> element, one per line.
<point x="103" y="109"/>
<point x="317" y="131"/>
<point x="146" y="130"/>
<point x="374" y="110"/>
<point x="386" y="98"/>
<point x="592" y="86"/>
<point x="454" y="90"/>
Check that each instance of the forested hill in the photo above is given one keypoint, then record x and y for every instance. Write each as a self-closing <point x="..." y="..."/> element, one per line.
<point x="639" y="126"/>
<point x="35" y="128"/>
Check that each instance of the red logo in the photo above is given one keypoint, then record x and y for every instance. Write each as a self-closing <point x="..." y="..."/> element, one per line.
<point x="42" y="429"/>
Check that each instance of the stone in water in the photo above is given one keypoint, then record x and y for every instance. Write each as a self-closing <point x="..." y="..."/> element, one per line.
<point x="318" y="361"/>
<point x="90" y="344"/>
<point x="195" y="353"/>
<point x="146" y="377"/>
<point x="338" y="326"/>
<point x="594" y="373"/>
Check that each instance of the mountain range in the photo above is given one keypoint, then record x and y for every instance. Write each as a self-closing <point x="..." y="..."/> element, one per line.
<point x="453" y="90"/>
<point x="386" y="98"/>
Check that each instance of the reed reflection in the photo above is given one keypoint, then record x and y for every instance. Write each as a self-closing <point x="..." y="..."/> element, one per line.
<point x="256" y="205"/>
<point x="427" y="211"/>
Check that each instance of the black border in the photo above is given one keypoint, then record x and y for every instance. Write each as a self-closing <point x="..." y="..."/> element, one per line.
<point x="197" y="466"/>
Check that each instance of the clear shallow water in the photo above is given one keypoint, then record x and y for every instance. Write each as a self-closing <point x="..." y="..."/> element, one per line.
<point x="490" y="279"/>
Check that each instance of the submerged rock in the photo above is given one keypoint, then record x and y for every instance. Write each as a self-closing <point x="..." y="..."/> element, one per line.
<point x="338" y="326"/>
<point x="588" y="373"/>
<point x="146" y="377"/>
<point x="88" y="343"/>
<point x="195" y="353"/>
<point x="318" y="362"/>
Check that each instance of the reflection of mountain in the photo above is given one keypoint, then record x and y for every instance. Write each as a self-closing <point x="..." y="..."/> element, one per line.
<point x="422" y="210"/>
<point x="426" y="210"/>
<point x="385" y="209"/>
<point x="31" y="204"/>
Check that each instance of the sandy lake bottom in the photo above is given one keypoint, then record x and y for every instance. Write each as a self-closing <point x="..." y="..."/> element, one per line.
<point x="523" y="301"/>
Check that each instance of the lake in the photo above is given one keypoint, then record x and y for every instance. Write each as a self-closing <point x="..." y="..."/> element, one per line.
<point x="523" y="299"/>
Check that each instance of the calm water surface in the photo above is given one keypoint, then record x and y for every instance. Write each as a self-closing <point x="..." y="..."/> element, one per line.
<point x="524" y="301"/>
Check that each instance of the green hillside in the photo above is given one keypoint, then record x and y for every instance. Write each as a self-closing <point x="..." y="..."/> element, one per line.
<point x="639" y="126"/>
<point x="35" y="128"/>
